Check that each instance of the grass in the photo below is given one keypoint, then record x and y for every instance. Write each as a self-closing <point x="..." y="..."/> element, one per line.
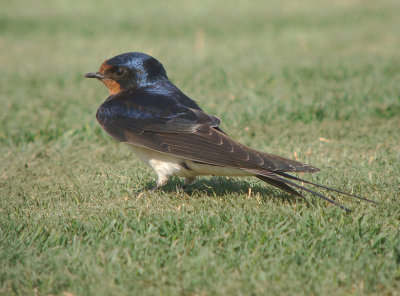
<point x="313" y="80"/>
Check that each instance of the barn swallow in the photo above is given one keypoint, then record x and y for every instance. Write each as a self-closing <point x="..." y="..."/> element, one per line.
<point x="171" y="133"/>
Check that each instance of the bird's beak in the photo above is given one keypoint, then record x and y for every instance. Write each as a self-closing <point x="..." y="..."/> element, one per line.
<point x="94" y="75"/>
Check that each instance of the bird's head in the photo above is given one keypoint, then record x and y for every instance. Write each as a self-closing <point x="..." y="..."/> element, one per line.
<point x="129" y="71"/>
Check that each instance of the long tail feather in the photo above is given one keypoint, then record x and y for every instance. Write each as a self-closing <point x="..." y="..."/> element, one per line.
<point x="280" y="185"/>
<point x="287" y="182"/>
<point x="321" y="186"/>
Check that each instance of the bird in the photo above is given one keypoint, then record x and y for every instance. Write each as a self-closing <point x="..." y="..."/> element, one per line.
<point x="171" y="133"/>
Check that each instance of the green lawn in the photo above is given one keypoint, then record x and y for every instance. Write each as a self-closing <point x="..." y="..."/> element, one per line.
<point x="306" y="79"/>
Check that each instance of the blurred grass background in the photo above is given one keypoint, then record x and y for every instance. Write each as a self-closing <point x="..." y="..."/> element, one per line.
<point x="313" y="80"/>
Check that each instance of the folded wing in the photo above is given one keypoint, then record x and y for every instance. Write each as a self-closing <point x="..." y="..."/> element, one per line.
<point x="161" y="123"/>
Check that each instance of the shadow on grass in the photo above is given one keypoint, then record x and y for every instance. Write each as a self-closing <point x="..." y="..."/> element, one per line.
<point x="223" y="187"/>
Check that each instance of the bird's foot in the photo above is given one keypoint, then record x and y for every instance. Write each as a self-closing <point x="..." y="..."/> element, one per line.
<point x="188" y="182"/>
<point x="152" y="190"/>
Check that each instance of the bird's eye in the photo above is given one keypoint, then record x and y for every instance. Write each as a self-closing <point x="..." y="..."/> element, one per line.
<point x="119" y="72"/>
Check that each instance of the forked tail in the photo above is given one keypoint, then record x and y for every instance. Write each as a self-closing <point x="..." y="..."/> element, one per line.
<point x="280" y="180"/>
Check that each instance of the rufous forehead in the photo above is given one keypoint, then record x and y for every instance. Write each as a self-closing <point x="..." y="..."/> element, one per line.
<point x="104" y="67"/>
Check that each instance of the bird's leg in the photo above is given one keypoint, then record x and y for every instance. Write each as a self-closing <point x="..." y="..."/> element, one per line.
<point x="188" y="181"/>
<point x="161" y="181"/>
<point x="157" y="186"/>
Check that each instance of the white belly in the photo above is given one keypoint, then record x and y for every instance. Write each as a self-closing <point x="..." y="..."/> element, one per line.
<point x="168" y="165"/>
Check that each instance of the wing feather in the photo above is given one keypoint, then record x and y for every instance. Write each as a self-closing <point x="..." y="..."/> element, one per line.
<point x="161" y="123"/>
